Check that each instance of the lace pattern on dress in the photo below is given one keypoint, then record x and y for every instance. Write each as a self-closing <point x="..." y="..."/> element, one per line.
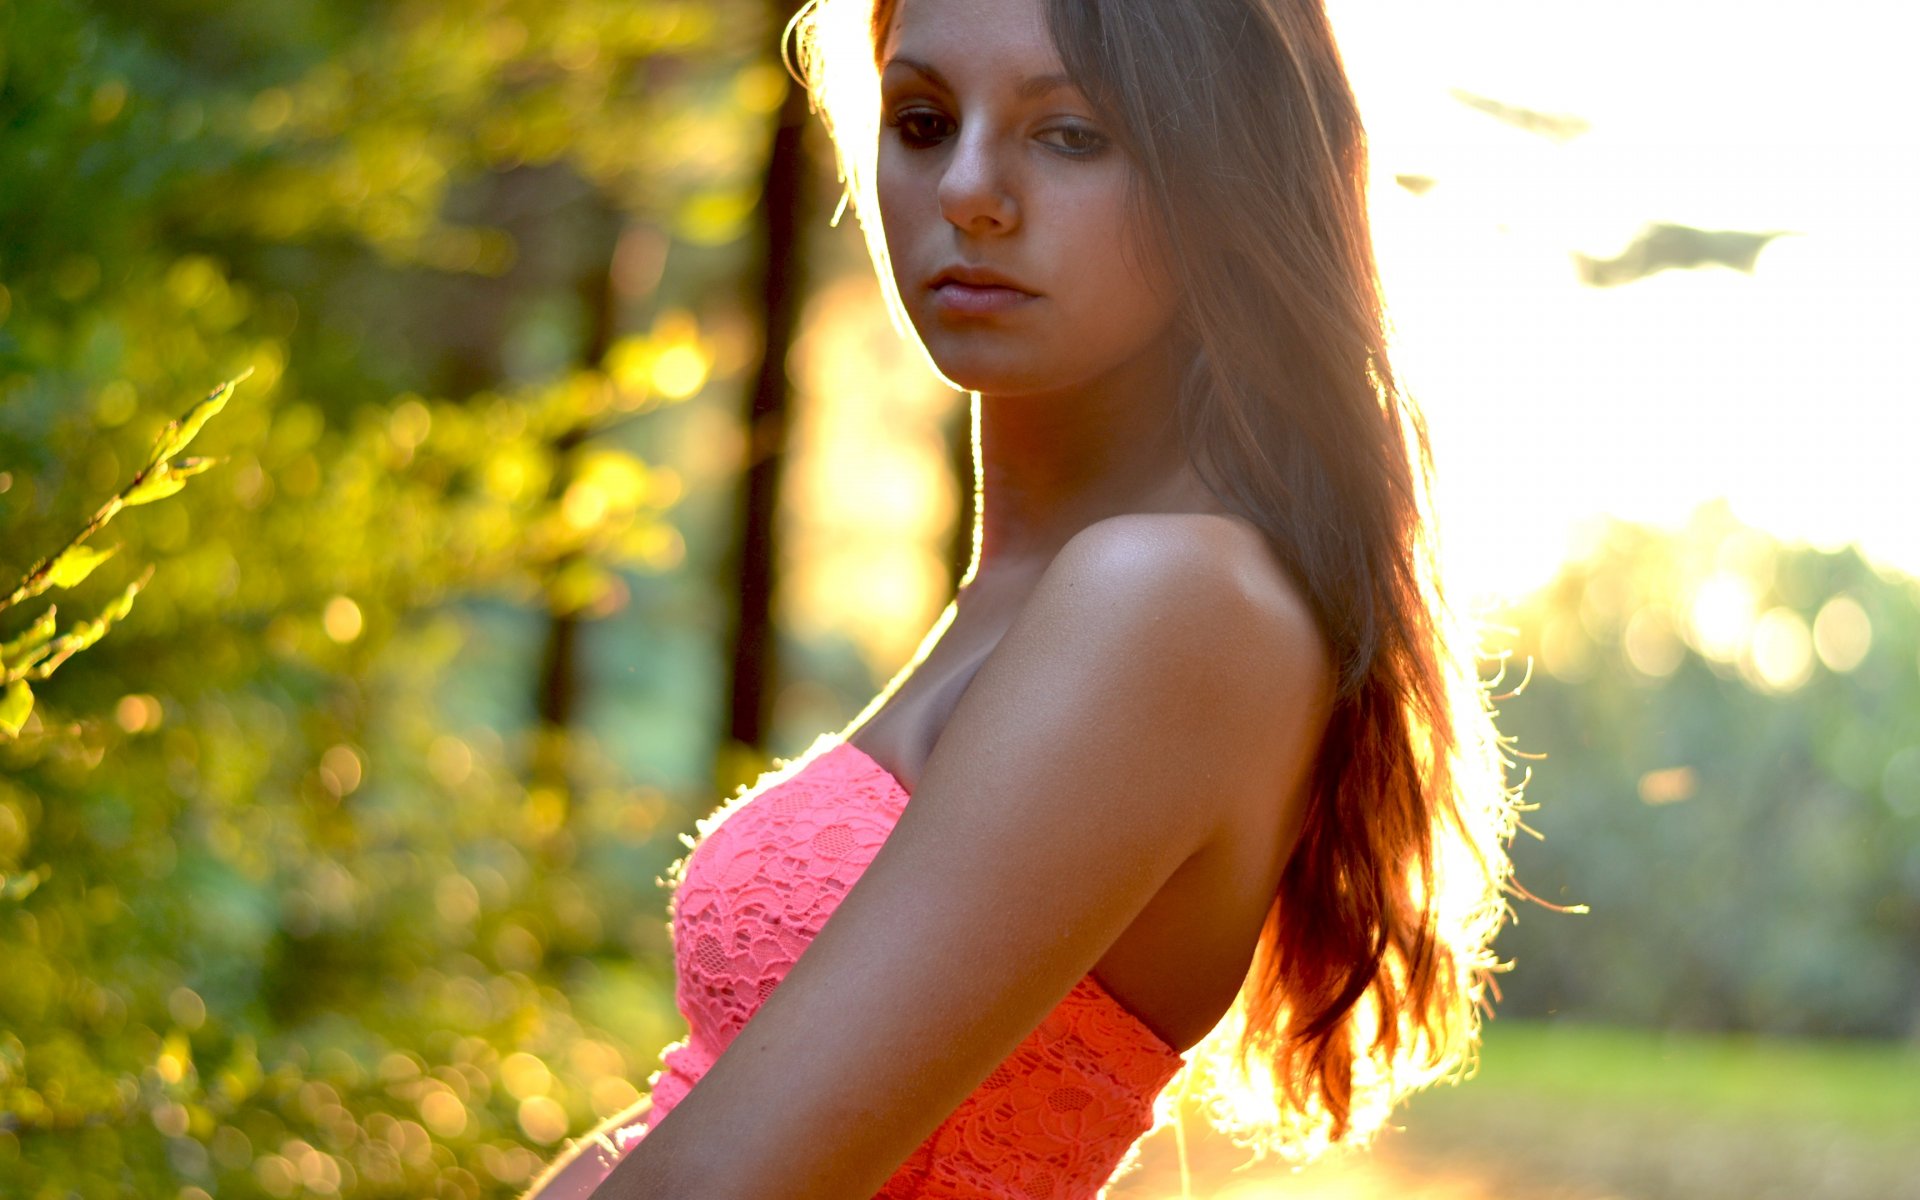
<point x="1052" y="1122"/>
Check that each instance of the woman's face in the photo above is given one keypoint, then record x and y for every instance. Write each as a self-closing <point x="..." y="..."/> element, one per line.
<point x="1005" y="206"/>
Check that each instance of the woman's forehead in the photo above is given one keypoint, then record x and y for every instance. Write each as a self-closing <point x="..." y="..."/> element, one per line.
<point x="999" y="37"/>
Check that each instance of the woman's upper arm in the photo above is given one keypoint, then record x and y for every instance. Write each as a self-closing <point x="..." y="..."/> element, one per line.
<point x="1097" y="748"/>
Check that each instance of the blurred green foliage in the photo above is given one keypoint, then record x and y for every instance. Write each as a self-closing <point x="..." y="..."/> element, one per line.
<point x="1731" y="781"/>
<point x="38" y="650"/>
<point x="304" y="921"/>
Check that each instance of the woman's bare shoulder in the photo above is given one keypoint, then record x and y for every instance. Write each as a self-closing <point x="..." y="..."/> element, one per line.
<point x="1175" y="637"/>
<point x="1209" y="588"/>
<point x="1218" y="561"/>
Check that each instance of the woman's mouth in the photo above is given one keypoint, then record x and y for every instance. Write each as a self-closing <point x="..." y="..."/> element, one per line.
<point x="977" y="299"/>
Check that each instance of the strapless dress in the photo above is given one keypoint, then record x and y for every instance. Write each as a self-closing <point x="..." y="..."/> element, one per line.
<point x="1056" y="1120"/>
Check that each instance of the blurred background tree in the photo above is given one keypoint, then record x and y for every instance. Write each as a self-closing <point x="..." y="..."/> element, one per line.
<point x="578" y="476"/>
<point x="339" y="891"/>
<point x="1730" y="728"/>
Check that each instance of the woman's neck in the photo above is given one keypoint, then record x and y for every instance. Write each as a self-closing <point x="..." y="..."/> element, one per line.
<point x="1055" y="463"/>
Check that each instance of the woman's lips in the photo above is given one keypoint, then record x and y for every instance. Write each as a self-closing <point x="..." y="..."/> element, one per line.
<point x="978" y="299"/>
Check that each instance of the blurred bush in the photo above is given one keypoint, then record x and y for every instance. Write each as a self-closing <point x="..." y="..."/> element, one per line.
<point x="321" y="908"/>
<point x="1732" y="782"/>
<point x="42" y="647"/>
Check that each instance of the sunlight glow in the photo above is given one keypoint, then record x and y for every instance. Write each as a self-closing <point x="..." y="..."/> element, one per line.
<point x="1652" y="646"/>
<point x="342" y="619"/>
<point x="1842" y="634"/>
<point x="869" y="489"/>
<point x="1780" y="658"/>
<point x="1721" y="617"/>
<point x="682" y="364"/>
<point x="1565" y="651"/>
<point x="1670" y="785"/>
<point x="847" y="99"/>
<point x="1553" y="402"/>
<point x="542" y="1119"/>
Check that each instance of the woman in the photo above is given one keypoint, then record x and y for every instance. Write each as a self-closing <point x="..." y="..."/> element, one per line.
<point x="1193" y="755"/>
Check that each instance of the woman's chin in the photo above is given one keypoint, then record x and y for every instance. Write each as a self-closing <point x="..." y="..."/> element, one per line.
<point x="970" y="374"/>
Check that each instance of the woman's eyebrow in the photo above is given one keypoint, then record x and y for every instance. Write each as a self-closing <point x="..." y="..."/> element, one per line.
<point x="1031" y="87"/>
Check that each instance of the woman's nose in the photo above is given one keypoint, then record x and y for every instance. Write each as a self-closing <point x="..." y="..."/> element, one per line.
<point x="975" y="192"/>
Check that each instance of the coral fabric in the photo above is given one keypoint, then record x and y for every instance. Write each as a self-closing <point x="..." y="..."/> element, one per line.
<point x="1052" y="1122"/>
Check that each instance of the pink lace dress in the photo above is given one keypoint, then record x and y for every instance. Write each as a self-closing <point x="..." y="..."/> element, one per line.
<point x="1054" y="1121"/>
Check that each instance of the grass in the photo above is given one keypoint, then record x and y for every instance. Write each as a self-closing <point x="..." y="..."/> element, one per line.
<point x="1872" y="1087"/>
<point x="1569" y="1112"/>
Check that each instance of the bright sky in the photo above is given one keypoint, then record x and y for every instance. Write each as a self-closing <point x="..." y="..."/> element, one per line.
<point x="1552" y="403"/>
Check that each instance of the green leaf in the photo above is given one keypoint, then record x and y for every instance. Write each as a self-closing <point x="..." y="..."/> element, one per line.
<point x="186" y="467"/>
<point x="82" y="634"/>
<point x="160" y="483"/>
<point x="15" y="703"/>
<point x="122" y="604"/>
<point x="32" y="638"/>
<point x="18" y="666"/>
<point x="174" y="438"/>
<point x="77" y="562"/>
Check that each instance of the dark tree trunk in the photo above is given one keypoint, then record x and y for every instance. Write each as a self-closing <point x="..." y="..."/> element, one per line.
<point x="754" y="668"/>
<point x="561" y="685"/>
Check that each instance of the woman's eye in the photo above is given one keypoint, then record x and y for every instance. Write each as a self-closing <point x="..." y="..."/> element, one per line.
<point x="1077" y="140"/>
<point x="919" y="127"/>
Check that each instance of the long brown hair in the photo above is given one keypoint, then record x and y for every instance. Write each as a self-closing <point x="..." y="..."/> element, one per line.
<point x="1372" y="968"/>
